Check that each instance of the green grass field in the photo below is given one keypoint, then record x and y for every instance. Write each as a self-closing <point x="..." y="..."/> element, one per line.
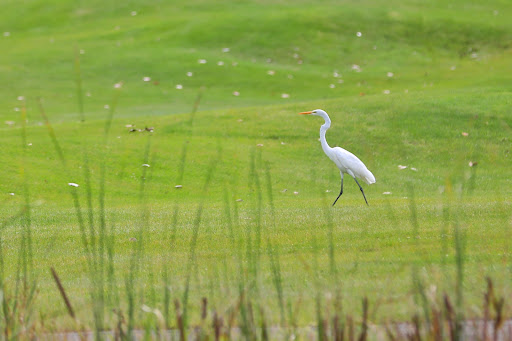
<point x="422" y="85"/>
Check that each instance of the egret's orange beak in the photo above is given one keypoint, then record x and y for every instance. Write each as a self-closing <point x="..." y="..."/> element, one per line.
<point x="305" y="113"/>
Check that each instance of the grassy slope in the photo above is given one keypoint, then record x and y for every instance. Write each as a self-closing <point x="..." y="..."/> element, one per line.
<point x="422" y="128"/>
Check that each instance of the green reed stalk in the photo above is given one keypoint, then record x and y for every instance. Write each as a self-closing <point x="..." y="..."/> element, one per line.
<point x="18" y="310"/>
<point x="196" y="106"/>
<point x="227" y="216"/>
<point x="138" y="247"/>
<point x="268" y="178"/>
<point x="419" y="288"/>
<point x="26" y="248"/>
<point x="78" y="80"/>
<point x="254" y="245"/>
<point x="167" y="298"/>
<point x="191" y="263"/>
<point x="113" y="295"/>
<point x="459" y="243"/>
<point x="277" y="279"/>
<point x="72" y="190"/>
<point x="330" y="230"/>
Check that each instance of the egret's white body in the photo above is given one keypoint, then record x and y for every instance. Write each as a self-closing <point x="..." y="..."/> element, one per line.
<point x="347" y="162"/>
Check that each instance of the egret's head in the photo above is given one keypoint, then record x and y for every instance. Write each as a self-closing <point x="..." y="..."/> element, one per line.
<point x="316" y="112"/>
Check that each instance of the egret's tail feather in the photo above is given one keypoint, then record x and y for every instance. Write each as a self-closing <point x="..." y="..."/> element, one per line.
<point x="369" y="178"/>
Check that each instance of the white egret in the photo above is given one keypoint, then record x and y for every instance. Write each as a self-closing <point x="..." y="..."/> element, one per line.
<point x="346" y="161"/>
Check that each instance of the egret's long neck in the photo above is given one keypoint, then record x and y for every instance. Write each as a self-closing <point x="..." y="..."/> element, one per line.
<point x="323" y="129"/>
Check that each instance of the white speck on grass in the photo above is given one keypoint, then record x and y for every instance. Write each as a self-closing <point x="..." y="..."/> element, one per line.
<point x="259" y="145"/>
<point x="271" y="72"/>
<point x="239" y="120"/>
<point x="284" y="190"/>
<point x="472" y="164"/>
<point x="225" y="49"/>
<point x="220" y="63"/>
<point x="106" y="106"/>
<point x="386" y="92"/>
<point x="402" y="167"/>
<point x="146" y="79"/>
<point x="189" y="74"/>
<point x="202" y="61"/>
<point x="29" y="144"/>
<point x="465" y="134"/>
<point x="236" y="93"/>
<point x="145" y="165"/>
<point x="7" y="34"/>
<point x="283" y="143"/>
<point x="390" y="74"/>
<point x="82" y="51"/>
<point x="386" y="193"/>
<point x="178" y="186"/>
<point x="340" y="81"/>
<point x="474" y="55"/>
<point x="295" y="192"/>
<point x="179" y="86"/>
<point x="118" y="85"/>
<point x="414" y="169"/>
<point x="336" y="74"/>
<point x="453" y="68"/>
<point x="11" y="194"/>
<point x="296" y="56"/>
<point x="21" y="98"/>
<point x="16" y="109"/>
<point x="285" y="95"/>
<point x="406" y="91"/>
<point x="239" y="200"/>
<point x="133" y="13"/>
<point x="332" y="86"/>
<point x="9" y="123"/>
<point x="356" y="68"/>
<point x="359" y="34"/>
<point x="327" y="191"/>
<point x="73" y="184"/>
<point x="299" y="61"/>
<point x="117" y="28"/>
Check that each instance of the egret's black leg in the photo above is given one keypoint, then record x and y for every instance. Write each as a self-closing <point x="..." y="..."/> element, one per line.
<point x="341" y="191"/>
<point x="361" y="188"/>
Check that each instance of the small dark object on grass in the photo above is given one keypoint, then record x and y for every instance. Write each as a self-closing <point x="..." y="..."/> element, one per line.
<point x="133" y="129"/>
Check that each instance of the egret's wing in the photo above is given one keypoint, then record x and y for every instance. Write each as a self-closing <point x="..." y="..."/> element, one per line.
<point x="345" y="160"/>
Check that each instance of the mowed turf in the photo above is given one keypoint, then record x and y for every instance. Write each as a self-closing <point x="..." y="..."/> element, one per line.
<point x="423" y="86"/>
